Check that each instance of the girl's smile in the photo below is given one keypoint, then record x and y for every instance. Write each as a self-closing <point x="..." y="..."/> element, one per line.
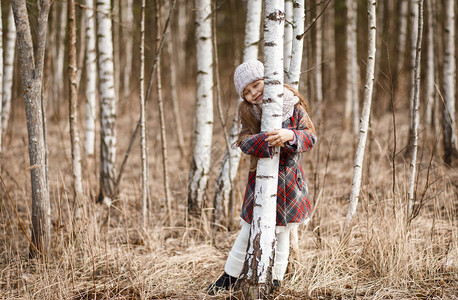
<point x="253" y="92"/>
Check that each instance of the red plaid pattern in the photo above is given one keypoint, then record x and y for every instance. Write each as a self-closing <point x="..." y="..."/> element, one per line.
<point x="293" y="205"/>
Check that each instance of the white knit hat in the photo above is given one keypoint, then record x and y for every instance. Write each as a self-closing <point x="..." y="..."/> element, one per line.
<point x="246" y="73"/>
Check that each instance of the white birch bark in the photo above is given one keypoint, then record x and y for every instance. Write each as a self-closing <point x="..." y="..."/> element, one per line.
<point x="91" y="79"/>
<point x="288" y="38"/>
<point x="32" y="75"/>
<point x="430" y="91"/>
<point x="417" y="29"/>
<point x="449" y="82"/>
<point x="329" y="54"/>
<point x="413" y="16"/>
<point x="73" y="106"/>
<point x="351" y="86"/>
<point x="262" y="242"/>
<point x="8" y="70"/>
<point x="128" y="28"/>
<point x="231" y="160"/>
<point x="294" y="71"/>
<point x="107" y="102"/>
<point x="200" y="165"/>
<point x="143" y="142"/>
<point x="319" y="63"/>
<point x="364" y="123"/>
<point x="402" y="36"/>
<point x="58" y="57"/>
<point x="1" y="83"/>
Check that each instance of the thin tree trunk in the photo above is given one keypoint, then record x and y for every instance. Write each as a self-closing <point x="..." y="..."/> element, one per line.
<point x="8" y="70"/>
<point x="58" y="58"/>
<point x="294" y="72"/>
<point x="351" y="87"/>
<point x="73" y="107"/>
<point x="430" y="91"/>
<point x="1" y="83"/>
<point x="401" y="42"/>
<point x="449" y="81"/>
<point x="225" y="187"/>
<point x="257" y="274"/>
<point x="365" y="115"/>
<point x="174" y="87"/>
<point x="319" y="63"/>
<point x="128" y="32"/>
<point x="329" y="55"/>
<point x="288" y="37"/>
<point x="414" y="99"/>
<point x="91" y="80"/>
<point x="116" y="45"/>
<point x="82" y="48"/>
<point x="168" y="196"/>
<point x="200" y="165"/>
<point x="107" y="103"/>
<point x="32" y="74"/>
<point x="144" y="154"/>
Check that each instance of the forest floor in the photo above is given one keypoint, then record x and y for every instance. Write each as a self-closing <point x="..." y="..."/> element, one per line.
<point x="106" y="256"/>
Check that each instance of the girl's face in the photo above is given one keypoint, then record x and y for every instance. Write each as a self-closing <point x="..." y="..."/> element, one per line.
<point x="254" y="91"/>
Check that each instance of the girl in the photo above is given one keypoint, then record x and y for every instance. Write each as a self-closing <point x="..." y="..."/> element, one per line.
<point x="296" y="135"/>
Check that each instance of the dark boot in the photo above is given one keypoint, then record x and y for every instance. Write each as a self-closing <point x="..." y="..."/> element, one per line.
<point x="224" y="283"/>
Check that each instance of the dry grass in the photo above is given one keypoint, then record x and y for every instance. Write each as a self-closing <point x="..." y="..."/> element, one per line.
<point x="105" y="256"/>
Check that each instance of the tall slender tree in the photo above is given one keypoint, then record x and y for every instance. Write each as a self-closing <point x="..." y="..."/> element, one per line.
<point x="59" y="56"/>
<point x="415" y="102"/>
<point x="8" y="70"/>
<point x="203" y="126"/>
<point x="32" y="76"/>
<point x="401" y="42"/>
<point x="73" y="105"/>
<point x="351" y="87"/>
<point x="449" y="82"/>
<point x="318" y="45"/>
<point x="430" y="91"/>
<point x="224" y="190"/>
<point x="91" y="79"/>
<point x="257" y="275"/>
<point x="364" y="123"/>
<point x="1" y="82"/>
<point x="288" y="38"/>
<point x="107" y="102"/>
<point x="294" y="71"/>
<point x="144" y="154"/>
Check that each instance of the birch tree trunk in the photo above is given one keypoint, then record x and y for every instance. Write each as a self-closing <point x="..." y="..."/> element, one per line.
<point x="73" y="106"/>
<point x="364" y="123"/>
<point x="8" y="70"/>
<point x="257" y="274"/>
<point x="107" y="103"/>
<point x="32" y="75"/>
<point x="160" y="104"/>
<point x="224" y="190"/>
<point x="143" y="142"/>
<point x="1" y="83"/>
<point x="319" y="63"/>
<point x="294" y="71"/>
<point x="430" y="91"/>
<point x="329" y="54"/>
<point x="128" y="32"/>
<point x="415" y="102"/>
<point x="402" y="39"/>
<point x="288" y="38"/>
<point x="351" y="87"/>
<point x="58" y="57"/>
<point x="91" y="79"/>
<point x="449" y="81"/>
<point x="200" y="165"/>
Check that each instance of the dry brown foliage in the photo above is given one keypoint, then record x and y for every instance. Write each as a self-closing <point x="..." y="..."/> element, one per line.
<point x="104" y="255"/>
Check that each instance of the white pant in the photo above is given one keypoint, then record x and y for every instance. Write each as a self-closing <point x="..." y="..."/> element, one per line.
<point x="236" y="258"/>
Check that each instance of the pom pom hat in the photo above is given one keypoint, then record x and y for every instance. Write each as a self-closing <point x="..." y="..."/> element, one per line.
<point x="246" y="73"/>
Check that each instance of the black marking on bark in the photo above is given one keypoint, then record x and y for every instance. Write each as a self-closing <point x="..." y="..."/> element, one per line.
<point x="277" y="15"/>
<point x="272" y="82"/>
<point x="276" y="115"/>
<point x="299" y="37"/>
<point x="270" y="44"/>
<point x="268" y="100"/>
<point x="280" y="95"/>
<point x="264" y="176"/>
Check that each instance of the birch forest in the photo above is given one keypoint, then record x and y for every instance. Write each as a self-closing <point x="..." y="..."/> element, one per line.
<point x="120" y="177"/>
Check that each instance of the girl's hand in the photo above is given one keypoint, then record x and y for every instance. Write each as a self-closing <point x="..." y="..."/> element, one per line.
<point x="279" y="137"/>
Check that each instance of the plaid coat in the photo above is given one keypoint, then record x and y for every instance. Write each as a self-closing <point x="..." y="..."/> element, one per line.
<point x="293" y="205"/>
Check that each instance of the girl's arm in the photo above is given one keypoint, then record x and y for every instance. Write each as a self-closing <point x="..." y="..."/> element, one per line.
<point x="304" y="132"/>
<point x="256" y="145"/>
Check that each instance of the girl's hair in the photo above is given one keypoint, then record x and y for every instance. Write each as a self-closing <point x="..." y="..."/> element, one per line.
<point x="251" y="124"/>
